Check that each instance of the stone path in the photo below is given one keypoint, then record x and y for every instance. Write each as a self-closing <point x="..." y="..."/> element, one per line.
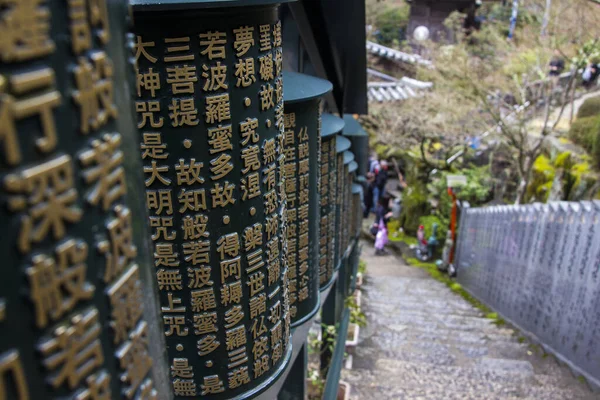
<point x="423" y="341"/>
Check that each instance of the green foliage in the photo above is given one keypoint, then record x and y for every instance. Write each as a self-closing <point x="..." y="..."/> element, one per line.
<point x="414" y="205"/>
<point x="362" y="267"/>
<point x="357" y="317"/>
<point x="577" y="177"/>
<point x="589" y="108"/>
<point x="442" y="227"/>
<point x="392" y="23"/>
<point x="584" y="131"/>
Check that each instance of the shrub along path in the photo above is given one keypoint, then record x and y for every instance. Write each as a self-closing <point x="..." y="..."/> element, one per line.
<point x="423" y="341"/>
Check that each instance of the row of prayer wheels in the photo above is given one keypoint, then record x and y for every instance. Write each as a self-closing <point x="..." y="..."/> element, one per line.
<point x="167" y="224"/>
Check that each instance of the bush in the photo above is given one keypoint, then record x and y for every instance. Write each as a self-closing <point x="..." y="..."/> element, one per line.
<point x="442" y="229"/>
<point x="392" y="24"/>
<point x="584" y="131"/>
<point x="589" y="108"/>
<point x="414" y="206"/>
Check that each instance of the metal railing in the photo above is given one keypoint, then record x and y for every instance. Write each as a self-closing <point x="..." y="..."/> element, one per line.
<point x="539" y="267"/>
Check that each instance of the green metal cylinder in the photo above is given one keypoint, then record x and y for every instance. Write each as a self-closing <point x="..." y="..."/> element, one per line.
<point x="77" y="314"/>
<point x="360" y="143"/>
<point x="356" y="213"/>
<point x="302" y="151"/>
<point x="342" y="145"/>
<point x="210" y="115"/>
<point x="330" y="127"/>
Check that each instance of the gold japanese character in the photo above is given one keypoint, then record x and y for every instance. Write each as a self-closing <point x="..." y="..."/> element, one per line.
<point x="199" y="277"/>
<point x="169" y="279"/>
<point x="155" y="173"/>
<point x="215" y="77"/>
<point x="250" y="156"/>
<point x="195" y="228"/>
<point x="40" y="103"/>
<point x="207" y="344"/>
<point x="274" y="271"/>
<point x="202" y="300"/>
<point x="228" y="245"/>
<point x="261" y="345"/>
<point x="165" y="255"/>
<point x="279" y="113"/>
<point x="220" y="139"/>
<point x="233" y="316"/>
<point x="265" y="37"/>
<point x="253" y="237"/>
<point x="279" y="95"/>
<point x="149" y="81"/>
<point x="119" y="249"/>
<point x="244" y="72"/>
<point x="134" y="359"/>
<point x="269" y="151"/>
<point x="189" y="174"/>
<point x="258" y="305"/>
<point x="250" y="185"/>
<point x="104" y="168"/>
<point x="197" y="252"/>
<point x="147" y="109"/>
<point x="217" y="108"/>
<point x="271" y="225"/>
<point x="235" y="337"/>
<point x="270" y="201"/>
<point x="57" y="285"/>
<point x="255" y="261"/>
<point x="238" y="377"/>
<point x="266" y="67"/>
<point x="153" y="146"/>
<point x="147" y="391"/>
<point x="277" y="34"/>
<point x="94" y="93"/>
<point x="25" y="27"/>
<point x="181" y="368"/>
<point x="277" y="353"/>
<point x="212" y="385"/>
<point x="256" y="283"/>
<point x="205" y="323"/>
<point x="261" y="365"/>
<point x="11" y="371"/>
<point x="230" y="268"/>
<point x="192" y="200"/>
<point x="183" y="112"/>
<point x="248" y="130"/>
<point x="214" y="44"/>
<point x="140" y="49"/>
<point x="175" y="325"/>
<point x="176" y="46"/>
<point x="125" y="298"/>
<point x="222" y="195"/>
<point x="159" y="200"/>
<point x="98" y="387"/>
<point x="258" y="327"/>
<point x="275" y="312"/>
<point x="269" y="177"/>
<point x="182" y="78"/>
<point x="74" y="351"/>
<point x="48" y="194"/>
<point x="184" y="388"/>
<point x="231" y="293"/>
<point x="244" y="39"/>
<point x="266" y="97"/>
<point x="278" y="62"/>
<point x="221" y="166"/>
<point x="173" y="303"/>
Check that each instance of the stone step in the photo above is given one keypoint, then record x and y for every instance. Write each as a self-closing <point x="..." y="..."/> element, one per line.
<point x="492" y="379"/>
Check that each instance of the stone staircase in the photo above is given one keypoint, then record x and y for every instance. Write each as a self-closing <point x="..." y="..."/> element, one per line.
<point x="423" y="341"/>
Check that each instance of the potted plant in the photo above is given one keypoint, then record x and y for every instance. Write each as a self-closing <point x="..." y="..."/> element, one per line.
<point x="316" y="377"/>
<point x="357" y="320"/>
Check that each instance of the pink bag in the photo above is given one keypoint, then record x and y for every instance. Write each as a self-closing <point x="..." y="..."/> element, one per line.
<point x="381" y="238"/>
